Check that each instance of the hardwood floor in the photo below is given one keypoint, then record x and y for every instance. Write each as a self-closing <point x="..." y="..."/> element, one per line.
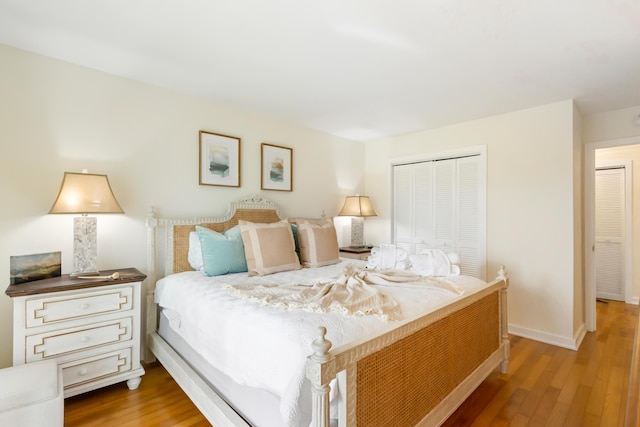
<point x="552" y="386"/>
<point x="545" y="386"/>
<point x="158" y="401"/>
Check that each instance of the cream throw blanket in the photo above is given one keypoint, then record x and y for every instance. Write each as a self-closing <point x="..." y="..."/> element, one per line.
<point x="351" y="293"/>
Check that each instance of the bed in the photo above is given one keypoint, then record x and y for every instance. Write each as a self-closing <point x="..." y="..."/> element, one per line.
<point x="320" y="368"/>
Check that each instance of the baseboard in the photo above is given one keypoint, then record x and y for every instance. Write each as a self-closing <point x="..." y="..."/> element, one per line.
<point x="557" y="340"/>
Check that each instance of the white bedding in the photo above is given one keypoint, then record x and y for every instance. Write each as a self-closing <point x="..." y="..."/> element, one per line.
<point x="266" y="347"/>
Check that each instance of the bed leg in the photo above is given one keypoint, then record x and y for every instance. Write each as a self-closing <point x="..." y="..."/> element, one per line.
<point x="504" y="324"/>
<point x="320" y="379"/>
<point x="151" y="326"/>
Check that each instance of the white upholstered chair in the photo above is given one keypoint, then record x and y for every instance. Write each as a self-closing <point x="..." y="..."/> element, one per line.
<point x="32" y="395"/>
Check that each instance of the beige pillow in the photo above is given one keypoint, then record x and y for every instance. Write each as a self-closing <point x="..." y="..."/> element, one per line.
<point x="269" y="248"/>
<point x="318" y="243"/>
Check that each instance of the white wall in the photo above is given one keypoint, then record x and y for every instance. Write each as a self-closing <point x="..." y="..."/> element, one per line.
<point x="531" y="207"/>
<point x="610" y="125"/>
<point x="57" y="117"/>
<point x="579" y="315"/>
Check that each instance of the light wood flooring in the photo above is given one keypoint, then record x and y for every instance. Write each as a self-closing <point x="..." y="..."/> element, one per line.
<point x="545" y="386"/>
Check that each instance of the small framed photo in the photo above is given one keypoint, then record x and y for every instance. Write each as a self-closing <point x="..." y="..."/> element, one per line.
<point x="219" y="159"/>
<point x="276" y="169"/>
<point x="28" y="268"/>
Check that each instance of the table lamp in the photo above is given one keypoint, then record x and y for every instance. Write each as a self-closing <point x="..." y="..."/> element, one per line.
<point x="357" y="207"/>
<point x="85" y="193"/>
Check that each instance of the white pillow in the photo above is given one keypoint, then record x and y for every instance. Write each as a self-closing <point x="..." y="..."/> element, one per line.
<point x="194" y="255"/>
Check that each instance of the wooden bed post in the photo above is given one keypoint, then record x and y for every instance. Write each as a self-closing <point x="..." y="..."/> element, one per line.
<point x="504" y="325"/>
<point x="319" y="379"/>
<point x="152" y="309"/>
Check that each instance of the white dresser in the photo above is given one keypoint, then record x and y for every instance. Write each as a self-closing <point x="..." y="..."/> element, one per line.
<point x="91" y="327"/>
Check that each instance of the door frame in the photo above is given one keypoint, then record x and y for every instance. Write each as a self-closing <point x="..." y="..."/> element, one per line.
<point x="627" y="274"/>
<point x="589" y="221"/>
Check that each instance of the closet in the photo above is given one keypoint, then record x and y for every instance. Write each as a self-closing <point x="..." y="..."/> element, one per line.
<point x="441" y="204"/>
<point x="610" y="231"/>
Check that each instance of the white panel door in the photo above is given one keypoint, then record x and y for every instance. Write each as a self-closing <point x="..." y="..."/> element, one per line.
<point x="609" y="228"/>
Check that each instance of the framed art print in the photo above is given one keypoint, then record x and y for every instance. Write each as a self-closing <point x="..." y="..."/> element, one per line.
<point x="219" y="159"/>
<point x="276" y="169"/>
<point x="27" y="268"/>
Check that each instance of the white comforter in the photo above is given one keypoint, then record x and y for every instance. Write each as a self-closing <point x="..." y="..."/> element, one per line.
<point x="266" y="347"/>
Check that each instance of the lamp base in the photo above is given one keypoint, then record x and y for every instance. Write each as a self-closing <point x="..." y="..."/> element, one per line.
<point x="357" y="233"/>
<point x="84" y="246"/>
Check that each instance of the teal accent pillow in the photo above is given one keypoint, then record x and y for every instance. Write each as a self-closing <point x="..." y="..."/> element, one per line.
<point x="222" y="253"/>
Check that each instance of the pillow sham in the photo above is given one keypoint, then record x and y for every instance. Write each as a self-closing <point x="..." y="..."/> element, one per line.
<point x="194" y="255"/>
<point x="318" y="243"/>
<point x="222" y="253"/>
<point x="269" y="248"/>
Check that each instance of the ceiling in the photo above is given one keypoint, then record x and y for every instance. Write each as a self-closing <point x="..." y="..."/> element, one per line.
<point x="359" y="69"/>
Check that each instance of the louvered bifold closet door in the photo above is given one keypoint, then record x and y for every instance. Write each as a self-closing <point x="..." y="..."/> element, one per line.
<point x="444" y="205"/>
<point x="423" y="233"/>
<point x="610" y="208"/>
<point x="402" y="206"/>
<point x="412" y="207"/>
<point x="441" y="204"/>
<point x="468" y="191"/>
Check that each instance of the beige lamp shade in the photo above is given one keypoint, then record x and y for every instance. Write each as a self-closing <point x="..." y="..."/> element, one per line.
<point x="84" y="193"/>
<point x="357" y="206"/>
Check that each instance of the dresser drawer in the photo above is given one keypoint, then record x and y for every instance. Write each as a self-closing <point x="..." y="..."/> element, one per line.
<point x="52" y="309"/>
<point x="93" y="368"/>
<point x="59" y="342"/>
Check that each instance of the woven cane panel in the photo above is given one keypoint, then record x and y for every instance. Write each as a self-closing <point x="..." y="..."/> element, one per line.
<point x="400" y="384"/>
<point x="181" y="233"/>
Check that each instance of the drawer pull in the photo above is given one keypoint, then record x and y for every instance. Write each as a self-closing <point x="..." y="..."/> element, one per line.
<point x="82" y="372"/>
<point x="84" y="338"/>
<point x="84" y="306"/>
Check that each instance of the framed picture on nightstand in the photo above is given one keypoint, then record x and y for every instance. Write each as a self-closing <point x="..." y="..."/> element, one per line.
<point x="27" y="268"/>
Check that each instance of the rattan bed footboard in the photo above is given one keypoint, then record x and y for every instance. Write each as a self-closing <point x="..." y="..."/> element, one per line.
<point x="419" y="372"/>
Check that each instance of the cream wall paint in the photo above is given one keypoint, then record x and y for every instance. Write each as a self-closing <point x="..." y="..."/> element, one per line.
<point x="533" y="189"/>
<point x="57" y="117"/>
<point x="579" y="325"/>
<point x="610" y="125"/>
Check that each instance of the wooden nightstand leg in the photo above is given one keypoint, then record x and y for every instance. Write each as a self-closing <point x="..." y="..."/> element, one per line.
<point x="133" y="383"/>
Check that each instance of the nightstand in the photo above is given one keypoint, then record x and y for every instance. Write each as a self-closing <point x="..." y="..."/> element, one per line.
<point x="91" y="327"/>
<point x="356" y="253"/>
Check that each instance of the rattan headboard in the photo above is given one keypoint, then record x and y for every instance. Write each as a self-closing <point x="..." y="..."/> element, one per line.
<point x="172" y="235"/>
<point x="181" y="232"/>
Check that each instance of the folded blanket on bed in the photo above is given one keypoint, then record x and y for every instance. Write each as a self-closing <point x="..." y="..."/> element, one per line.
<point x="434" y="262"/>
<point x="388" y="257"/>
<point x="352" y="293"/>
